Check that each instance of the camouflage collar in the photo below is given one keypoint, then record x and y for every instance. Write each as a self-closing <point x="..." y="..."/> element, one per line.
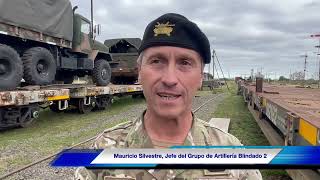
<point x="138" y="137"/>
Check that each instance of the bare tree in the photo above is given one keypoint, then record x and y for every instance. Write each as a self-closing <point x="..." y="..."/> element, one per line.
<point x="299" y="75"/>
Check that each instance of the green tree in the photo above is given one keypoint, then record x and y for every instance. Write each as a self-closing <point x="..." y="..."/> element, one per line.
<point x="282" y="78"/>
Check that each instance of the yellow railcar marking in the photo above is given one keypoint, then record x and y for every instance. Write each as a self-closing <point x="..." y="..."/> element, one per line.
<point x="130" y="89"/>
<point x="264" y="102"/>
<point x="53" y="98"/>
<point x="308" y="131"/>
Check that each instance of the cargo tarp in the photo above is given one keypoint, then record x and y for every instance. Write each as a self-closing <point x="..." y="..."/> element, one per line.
<point x="51" y="17"/>
<point x="133" y="41"/>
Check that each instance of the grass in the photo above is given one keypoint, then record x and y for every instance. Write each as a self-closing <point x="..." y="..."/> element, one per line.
<point x="242" y="124"/>
<point x="54" y="131"/>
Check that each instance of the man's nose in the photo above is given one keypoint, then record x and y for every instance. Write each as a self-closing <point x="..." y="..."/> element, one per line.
<point x="169" y="77"/>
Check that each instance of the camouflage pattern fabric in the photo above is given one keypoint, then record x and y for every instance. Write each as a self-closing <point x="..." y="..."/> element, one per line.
<point x="133" y="135"/>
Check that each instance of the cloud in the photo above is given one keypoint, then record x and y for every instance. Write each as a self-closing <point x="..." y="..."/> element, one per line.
<point x="246" y="35"/>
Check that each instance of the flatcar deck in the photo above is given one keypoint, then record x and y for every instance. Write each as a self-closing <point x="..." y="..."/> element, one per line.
<point x="304" y="102"/>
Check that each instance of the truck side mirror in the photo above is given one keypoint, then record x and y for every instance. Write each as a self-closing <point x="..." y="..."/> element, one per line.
<point x="97" y="29"/>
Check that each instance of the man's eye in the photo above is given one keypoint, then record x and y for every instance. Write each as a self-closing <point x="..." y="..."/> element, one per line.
<point x="155" y="61"/>
<point x="185" y="63"/>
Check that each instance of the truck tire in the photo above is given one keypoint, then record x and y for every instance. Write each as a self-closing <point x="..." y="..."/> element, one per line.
<point x="39" y="66"/>
<point x="101" y="74"/>
<point x="11" y="69"/>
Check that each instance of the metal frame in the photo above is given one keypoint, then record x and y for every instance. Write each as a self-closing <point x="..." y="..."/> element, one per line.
<point x="279" y="123"/>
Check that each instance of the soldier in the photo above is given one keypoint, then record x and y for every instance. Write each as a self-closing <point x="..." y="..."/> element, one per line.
<point x="171" y="62"/>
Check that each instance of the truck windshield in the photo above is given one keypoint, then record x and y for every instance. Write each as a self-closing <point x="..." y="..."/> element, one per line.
<point x="85" y="27"/>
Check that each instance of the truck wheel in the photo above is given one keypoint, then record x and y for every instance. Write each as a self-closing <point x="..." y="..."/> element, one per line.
<point x="101" y="74"/>
<point x="39" y="66"/>
<point x="11" y="69"/>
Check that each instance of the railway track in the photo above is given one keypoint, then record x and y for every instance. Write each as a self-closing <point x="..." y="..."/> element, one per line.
<point x="51" y="156"/>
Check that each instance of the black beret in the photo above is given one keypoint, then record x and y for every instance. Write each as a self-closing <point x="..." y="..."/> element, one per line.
<point x="176" y="30"/>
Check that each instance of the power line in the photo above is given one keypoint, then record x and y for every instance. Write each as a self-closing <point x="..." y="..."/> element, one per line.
<point x="217" y="72"/>
<point x="214" y="53"/>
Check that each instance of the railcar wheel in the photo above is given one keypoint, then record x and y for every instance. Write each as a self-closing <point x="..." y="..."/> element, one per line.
<point x="83" y="108"/>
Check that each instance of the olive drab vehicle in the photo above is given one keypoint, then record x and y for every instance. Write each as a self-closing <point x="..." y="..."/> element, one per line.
<point x="124" y="59"/>
<point x="46" y="41"/>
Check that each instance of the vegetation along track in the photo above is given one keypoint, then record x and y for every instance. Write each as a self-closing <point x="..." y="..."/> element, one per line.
<point x="51" y="156"/>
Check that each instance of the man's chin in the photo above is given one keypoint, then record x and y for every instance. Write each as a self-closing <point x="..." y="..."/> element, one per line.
<point x="169" y="114"/>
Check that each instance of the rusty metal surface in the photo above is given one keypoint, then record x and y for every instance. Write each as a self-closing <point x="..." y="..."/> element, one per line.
<point x="82" y="91"/>
<point x="259" y="84"/>
<point x="34" y="94"/>
<point x="119" y="89"/>
<point x="305" y="102"/>
<point x="24" y="97"/>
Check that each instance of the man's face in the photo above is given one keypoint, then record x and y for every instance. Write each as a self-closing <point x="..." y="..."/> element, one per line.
<point x="170" y="77"/>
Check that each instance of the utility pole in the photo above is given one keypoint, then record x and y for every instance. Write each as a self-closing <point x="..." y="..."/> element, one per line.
<point x="305" y="66"/>
<point x="290" y="74"/>
<point x="213" y="52"/>
<point x="209" y="71"/>
<point x="251" y="74"/>
<point x="319" y="63"/>
<point x="91" y="18"/>
<point x="317" y="36"/>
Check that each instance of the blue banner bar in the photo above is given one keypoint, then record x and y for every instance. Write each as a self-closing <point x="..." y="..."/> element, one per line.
<point x="288" y="157"/>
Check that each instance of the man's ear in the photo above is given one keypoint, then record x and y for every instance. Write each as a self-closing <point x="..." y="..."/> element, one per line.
<point x="139" y="69"/>
<point x="201" y="79"/>
<point x="139" y="80"/>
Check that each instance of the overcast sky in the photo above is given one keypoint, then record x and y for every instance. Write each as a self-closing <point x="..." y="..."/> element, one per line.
<point x="255" y="34"/>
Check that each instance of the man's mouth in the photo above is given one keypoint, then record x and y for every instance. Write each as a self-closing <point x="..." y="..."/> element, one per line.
<point x="168" y="96"/>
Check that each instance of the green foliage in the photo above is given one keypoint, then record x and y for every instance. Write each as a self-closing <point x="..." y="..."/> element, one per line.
<point x="282" y="78"/>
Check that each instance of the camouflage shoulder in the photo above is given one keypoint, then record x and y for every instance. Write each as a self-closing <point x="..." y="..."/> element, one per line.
<point x="220" y="136"/>
<point x="113" y="137"/>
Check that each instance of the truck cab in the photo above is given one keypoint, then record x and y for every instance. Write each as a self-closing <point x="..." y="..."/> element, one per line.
<point x="82" y="35"/>
<point x="88" y="55"/>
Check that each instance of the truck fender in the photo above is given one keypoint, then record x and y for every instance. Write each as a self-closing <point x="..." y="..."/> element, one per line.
<point x="96" y="55"/>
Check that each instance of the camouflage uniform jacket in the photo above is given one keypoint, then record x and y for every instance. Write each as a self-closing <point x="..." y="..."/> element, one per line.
<point x="133" y="135"/>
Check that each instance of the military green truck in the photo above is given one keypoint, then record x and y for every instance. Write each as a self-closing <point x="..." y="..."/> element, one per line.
<point x="46" y="41"/>
<point x="124" y="53"/>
